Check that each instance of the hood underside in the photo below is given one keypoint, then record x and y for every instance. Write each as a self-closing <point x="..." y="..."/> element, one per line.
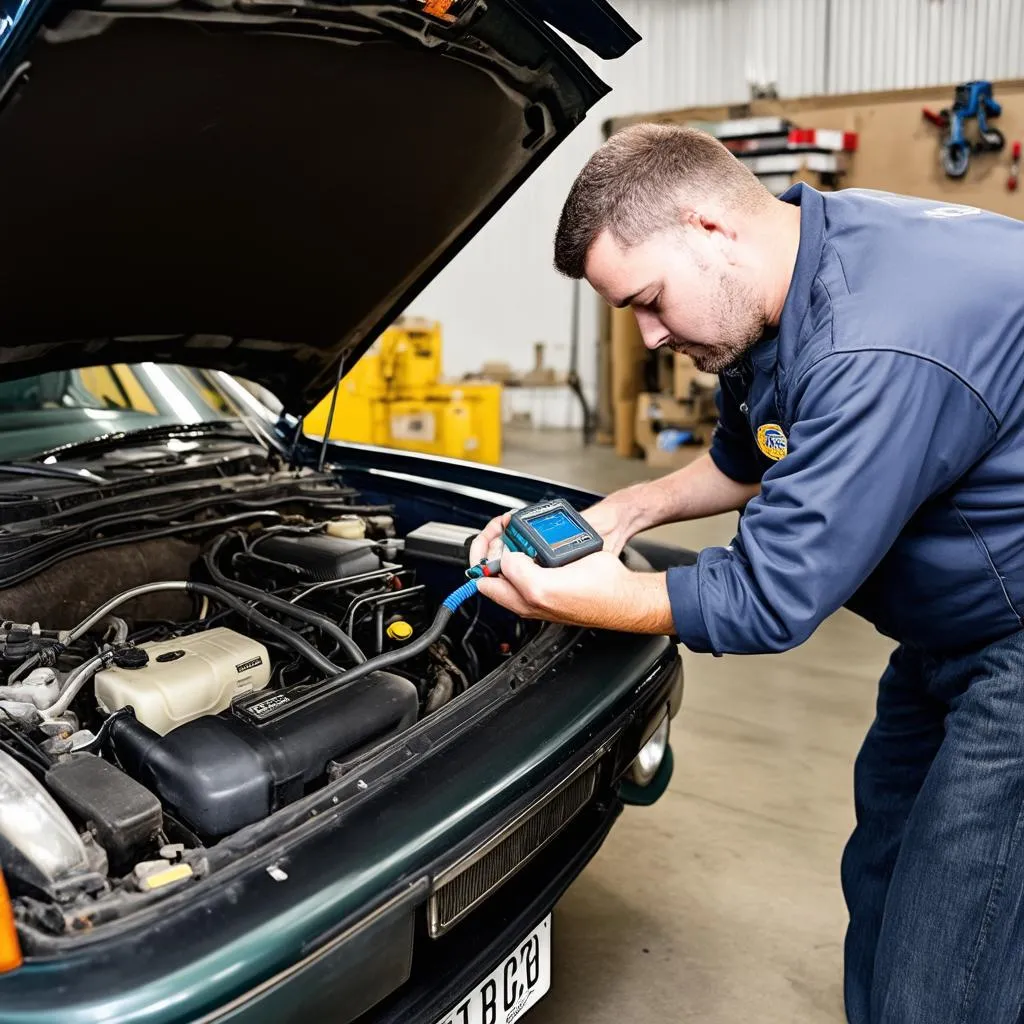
<point x="261" y="187"/>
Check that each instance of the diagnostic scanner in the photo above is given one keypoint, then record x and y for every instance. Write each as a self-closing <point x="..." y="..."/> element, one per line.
<point x="552" y="533"/>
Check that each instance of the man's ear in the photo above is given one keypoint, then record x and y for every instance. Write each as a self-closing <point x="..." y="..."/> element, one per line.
<point x="711" y="222"/>
<point x="706" y="221"/>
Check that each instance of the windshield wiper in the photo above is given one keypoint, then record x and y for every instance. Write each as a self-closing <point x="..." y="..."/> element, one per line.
<point x="228" y="430"/>
<point x="37" y="469"/>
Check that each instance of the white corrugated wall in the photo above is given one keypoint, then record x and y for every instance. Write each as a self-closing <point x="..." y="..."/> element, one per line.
<point x="500" y="295"/>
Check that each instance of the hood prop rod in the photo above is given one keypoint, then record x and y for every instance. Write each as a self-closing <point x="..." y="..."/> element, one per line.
<point x="330" y="415"/>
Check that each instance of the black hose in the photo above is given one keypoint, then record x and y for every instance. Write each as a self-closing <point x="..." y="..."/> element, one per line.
<point x="448" y="608"/>
<point x="467" y="647"/>
<point x="321" y="622"/>
<point x="404" y="653"/>
<point x="97" y="743"/>
<point x="25" y="748"/>
<point x="441" y="692"/>
<point x="283" y="633"/>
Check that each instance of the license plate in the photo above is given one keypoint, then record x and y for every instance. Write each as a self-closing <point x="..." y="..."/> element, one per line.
<point x="516" y="984"/>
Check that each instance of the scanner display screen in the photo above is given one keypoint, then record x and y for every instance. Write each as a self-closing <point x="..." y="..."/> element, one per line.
<point x="554" y="528"/>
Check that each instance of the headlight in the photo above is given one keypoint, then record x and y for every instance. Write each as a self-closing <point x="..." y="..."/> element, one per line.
<point x="651" y="755"/>
<point x="47" y="852"/>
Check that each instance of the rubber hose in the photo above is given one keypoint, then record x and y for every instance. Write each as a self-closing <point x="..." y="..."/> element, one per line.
<point x="321" y="622"/>
<point x="448" y="608"/>
<point x="442" y="691"/>
<point x="404" y="653"/>
<point x="268" y="625"/>
<point x="74" y="682"/>
<point x="283" y="633"/>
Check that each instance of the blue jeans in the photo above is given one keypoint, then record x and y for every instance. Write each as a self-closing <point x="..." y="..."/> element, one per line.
<point x="934" y="872"/>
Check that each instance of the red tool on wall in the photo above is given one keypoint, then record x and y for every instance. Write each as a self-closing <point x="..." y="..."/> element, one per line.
<point x="1014" y="179"/>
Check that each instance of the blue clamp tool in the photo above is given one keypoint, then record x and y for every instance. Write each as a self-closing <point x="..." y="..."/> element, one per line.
<point x="972" y="100"/>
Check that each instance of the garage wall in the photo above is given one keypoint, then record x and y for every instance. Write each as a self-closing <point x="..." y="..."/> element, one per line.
<point x="501" y="294"/>
<point x="923" y="42"/>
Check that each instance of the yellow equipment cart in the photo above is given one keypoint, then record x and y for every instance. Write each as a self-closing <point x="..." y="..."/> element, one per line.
<point x="394" y="396"/>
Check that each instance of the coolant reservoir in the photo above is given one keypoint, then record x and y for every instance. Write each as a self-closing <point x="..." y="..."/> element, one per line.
<point x="183" y="679"/>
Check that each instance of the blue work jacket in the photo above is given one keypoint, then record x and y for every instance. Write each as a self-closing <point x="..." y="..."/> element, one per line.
<point x="885" y="423"/>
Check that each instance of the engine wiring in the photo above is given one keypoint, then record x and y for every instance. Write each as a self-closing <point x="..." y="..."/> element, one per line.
<point x="293" y="676"/>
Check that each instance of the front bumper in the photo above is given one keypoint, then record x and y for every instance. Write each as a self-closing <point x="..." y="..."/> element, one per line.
<point x="346" y="933"/>
<point x="445" y="969"/>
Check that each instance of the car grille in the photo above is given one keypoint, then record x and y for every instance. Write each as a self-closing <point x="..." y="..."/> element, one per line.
<point x="459" y="889"/>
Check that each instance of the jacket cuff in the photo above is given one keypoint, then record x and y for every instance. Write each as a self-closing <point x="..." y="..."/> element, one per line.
<point x="684" y="597"/>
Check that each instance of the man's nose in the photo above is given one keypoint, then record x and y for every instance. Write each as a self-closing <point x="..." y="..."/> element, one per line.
<point x="652" y="330"/>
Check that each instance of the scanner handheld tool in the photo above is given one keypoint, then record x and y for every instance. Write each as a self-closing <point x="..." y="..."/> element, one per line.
<point x="552" y="533"/>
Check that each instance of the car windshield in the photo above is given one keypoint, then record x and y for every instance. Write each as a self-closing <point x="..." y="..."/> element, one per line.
<point x="68" y="406"/>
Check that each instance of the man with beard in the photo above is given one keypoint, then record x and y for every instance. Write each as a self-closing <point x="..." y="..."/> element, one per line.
<point x="870" y="349"/>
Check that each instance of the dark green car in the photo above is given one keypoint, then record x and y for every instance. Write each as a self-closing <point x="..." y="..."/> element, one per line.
<point x="208" y="810"/>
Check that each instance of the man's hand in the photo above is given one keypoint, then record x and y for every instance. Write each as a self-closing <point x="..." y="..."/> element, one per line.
<point x="487" y="544"/>
<point x="611" y="518"/>
<point x="614" y="518"/>
<point x="595" y="591"/>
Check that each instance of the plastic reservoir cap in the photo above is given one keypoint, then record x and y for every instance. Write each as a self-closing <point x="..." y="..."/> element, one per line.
<point x="400" y="630"/>
<point x="348" y="528"/>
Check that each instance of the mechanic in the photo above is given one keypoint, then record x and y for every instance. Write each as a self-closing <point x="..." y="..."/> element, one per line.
<point x="870" y="349"/>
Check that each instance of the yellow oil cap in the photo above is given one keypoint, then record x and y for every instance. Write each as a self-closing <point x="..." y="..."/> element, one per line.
<point x="400" y="630"/>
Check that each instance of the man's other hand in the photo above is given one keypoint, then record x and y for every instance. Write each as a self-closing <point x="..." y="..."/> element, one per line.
<point x="595" y="591"/>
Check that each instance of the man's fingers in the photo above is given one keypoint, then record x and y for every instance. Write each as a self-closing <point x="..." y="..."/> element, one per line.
<point x="479" y="547"/>
<point x="500" y="591"/>
<point x="484" y="541"/>
<point x="524" y="574"/>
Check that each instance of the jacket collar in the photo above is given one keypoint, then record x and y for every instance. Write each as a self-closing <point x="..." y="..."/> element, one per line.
<point x="764" y="355"/>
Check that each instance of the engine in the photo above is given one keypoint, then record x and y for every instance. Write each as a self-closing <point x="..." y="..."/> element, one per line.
<point x="137" y="741"/>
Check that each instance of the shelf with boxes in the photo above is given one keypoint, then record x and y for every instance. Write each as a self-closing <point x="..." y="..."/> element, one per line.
<point x="679" y="415"/>
<point x="654" y="394"/>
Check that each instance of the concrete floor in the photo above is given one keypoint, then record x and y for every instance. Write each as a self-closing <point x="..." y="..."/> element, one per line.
<point x="721" y="904"/>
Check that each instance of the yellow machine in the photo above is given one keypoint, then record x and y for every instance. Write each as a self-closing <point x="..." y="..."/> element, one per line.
<point x="394" y="397"/>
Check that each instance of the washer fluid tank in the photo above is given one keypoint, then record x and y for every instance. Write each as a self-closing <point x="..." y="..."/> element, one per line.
<point x="171" y="682"/>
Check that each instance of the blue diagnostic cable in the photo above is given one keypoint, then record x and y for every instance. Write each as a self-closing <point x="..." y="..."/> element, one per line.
<point x="459" y="597"/>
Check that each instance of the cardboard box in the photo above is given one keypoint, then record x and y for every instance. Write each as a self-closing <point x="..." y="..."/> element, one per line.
<point x="628" y="359"/>
<point x="656" y="412"/>
<point x="689" y="382"/>
<point x="545" y="376"/>
<point x="628" y="355"/>
<point x="665" y="368"/>
<point x="625" y="425"/>
<point x="497" y="371"/>
<point x="684" y="375"/>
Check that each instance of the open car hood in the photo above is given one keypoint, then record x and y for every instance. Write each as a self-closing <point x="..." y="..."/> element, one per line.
<point x="261" y="186"/>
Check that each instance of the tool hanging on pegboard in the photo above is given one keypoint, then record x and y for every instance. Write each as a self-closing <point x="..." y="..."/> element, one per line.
<point x="971" y="101"/>
<point x="1013" y="181"/>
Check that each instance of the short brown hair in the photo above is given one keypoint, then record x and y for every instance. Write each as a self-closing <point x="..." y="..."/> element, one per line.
<point x="631" y="186"/>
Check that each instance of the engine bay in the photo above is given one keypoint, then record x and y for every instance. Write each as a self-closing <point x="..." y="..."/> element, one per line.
<point x="146" y="716"/>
